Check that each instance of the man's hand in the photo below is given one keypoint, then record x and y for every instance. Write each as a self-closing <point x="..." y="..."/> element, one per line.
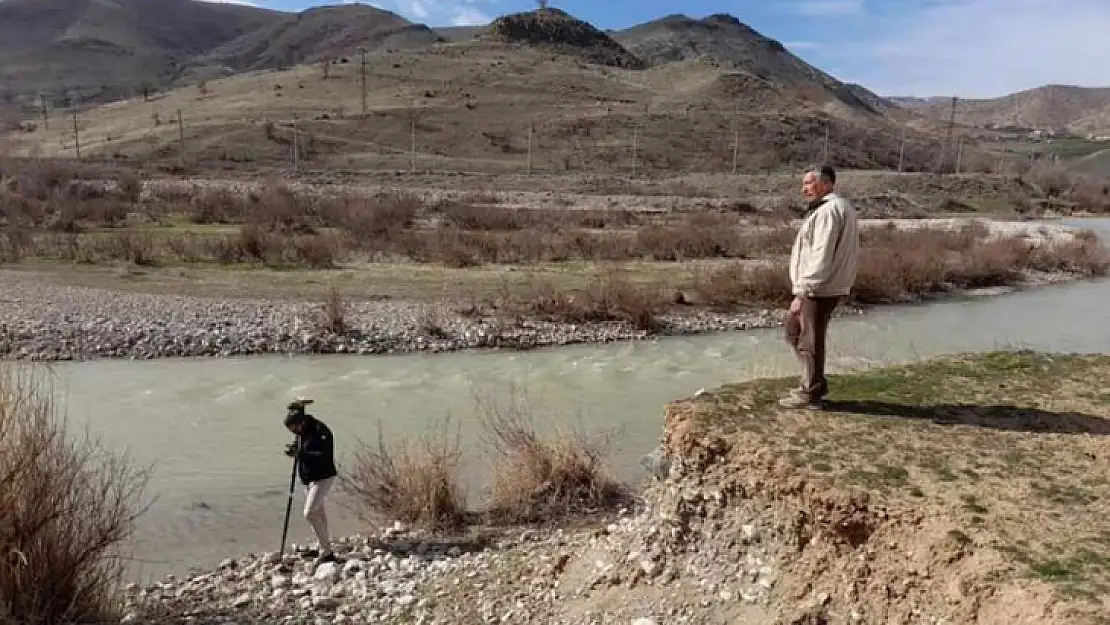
<point x="796" y="306"/>
<point x="291" y="450"/>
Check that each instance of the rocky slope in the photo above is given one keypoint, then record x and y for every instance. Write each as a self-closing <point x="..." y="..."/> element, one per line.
<point x="329" y="32"/>
<point x="90" y="49"/>
<point x="557" y="29"/>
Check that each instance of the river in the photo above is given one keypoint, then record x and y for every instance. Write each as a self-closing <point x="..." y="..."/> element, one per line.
<point x="211" y="429"/>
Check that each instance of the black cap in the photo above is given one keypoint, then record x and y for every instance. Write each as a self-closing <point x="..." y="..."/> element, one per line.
<point x="295" y="411"/>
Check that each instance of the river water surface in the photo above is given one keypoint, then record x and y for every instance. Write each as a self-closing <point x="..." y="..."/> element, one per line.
<point x="211" y="429"/>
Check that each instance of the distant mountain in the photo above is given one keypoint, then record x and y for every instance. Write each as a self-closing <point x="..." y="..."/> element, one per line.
<point x="1078" y="109"/>
<point x="105" y="49"/>
<point x="728" y="41"/>
<point x="459" y="33"/>
<point x="319" y="33"/>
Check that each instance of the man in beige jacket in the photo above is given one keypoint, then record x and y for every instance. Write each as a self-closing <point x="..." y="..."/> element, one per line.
<point x="822" y="272"/>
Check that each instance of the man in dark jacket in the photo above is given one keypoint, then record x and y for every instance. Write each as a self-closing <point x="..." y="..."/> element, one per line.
<point x="314" y="450"/>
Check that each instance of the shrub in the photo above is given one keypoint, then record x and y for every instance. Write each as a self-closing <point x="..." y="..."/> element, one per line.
<point x="66" y="507"/>
<point x="537" y="477"/>
<point x="417" y="484"/>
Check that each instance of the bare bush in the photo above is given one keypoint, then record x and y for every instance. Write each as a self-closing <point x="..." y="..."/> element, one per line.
<point x="333" y="314"/>
<point x="544" y="476"/>
<point x="609" y="298"/>
<point x="66" y="508"/>
<point x="415" y="483"/>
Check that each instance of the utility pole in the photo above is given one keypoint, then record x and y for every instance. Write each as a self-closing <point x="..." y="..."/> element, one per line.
<point x="635" y="148"/>
<point x="412" y="149"/>
<point x="181" y="136"/>
<point x="45" y="115"/>
<point x="825" y="154"/>
<point x="902" y="151"/>
<point x="947" y="136"/>
<point x="362" y="74"/>
<point x="76" y="134"/>
<point x="959" y="154"/>
<point x="296" y="148"/>
<point x="735" y="147"/>
<point x="529" y="148"/>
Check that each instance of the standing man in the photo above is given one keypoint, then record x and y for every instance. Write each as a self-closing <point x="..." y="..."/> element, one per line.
<point x="316" y="467"/>
<point x="822" y="271"/>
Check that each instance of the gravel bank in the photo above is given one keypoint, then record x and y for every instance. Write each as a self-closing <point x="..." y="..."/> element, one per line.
<point x="44" y="322"/>
<point x="662" y="564"/>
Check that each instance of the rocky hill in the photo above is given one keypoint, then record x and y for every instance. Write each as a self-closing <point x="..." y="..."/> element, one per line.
<point x="557" y="29"/>
<point x="726" y="40"/>
<point x="319" y="33"/>
<point x="1078" y="109"/>
<point x="588" y="98"/>
<point x="101" y="49"/>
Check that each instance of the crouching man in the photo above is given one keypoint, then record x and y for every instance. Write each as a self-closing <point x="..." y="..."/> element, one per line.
<point x="316" y="469"/>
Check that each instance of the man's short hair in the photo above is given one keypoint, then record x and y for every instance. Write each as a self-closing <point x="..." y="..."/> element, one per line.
<point x="825" y="171"/>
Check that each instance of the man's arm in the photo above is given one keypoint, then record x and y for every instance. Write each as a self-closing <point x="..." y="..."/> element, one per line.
<point x="817" y="262"/>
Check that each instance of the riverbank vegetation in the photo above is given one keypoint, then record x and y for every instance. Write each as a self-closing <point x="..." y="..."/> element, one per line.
<point x="578" y="266"/>
<point x="535" y="474"/>
<point x="67" y="507"/>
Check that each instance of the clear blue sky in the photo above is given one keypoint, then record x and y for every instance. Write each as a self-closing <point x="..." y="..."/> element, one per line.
<point x="970" y="48"/>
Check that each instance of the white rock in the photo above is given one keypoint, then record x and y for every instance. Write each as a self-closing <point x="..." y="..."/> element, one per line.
<point x="643" y="621"/>
<point x="328" y="571"/>
<point x="242" y="600"/>
<point x="280" y="581"/>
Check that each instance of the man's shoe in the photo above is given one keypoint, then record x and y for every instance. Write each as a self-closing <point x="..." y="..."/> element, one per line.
<point x="801" y="402"/>
<point x="328" y="557"/>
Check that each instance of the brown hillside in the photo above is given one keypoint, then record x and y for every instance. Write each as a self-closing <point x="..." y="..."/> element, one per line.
<point x="557" y="29"/>
<point x="316" y="34"/>
<point x="735" y="45"/>
<point x="470" y="105"/>
<point x="98" y="49"/>
<point x="1079" y="109"/>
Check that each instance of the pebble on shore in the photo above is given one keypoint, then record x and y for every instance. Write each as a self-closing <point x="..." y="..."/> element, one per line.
<point x="53" y="323"/>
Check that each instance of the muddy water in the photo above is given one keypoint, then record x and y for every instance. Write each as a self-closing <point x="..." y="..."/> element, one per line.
<point x="211" y="429"/>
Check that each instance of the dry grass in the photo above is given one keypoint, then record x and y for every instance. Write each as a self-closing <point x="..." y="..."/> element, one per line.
<point x="544" y="476"/>
<point x="534" y="476"/>
<point x="413" y="482"/>
<point x="66" y="508"/>
<point x="901" y="266"/>
<point x="607" y="298"/>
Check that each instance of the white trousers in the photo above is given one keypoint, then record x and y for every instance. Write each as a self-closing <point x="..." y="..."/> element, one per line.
<point x="315" y="513"/>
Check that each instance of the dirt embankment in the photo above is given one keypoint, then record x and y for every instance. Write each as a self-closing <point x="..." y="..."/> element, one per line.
<point x="954" y="491"/>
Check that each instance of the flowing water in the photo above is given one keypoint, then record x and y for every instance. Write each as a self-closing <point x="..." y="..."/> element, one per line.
<point x="211" y="429"/>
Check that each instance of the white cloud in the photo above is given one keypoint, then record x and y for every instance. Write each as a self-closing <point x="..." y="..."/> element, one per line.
<point x="823" y="8"/>
<point x="980" y="48"/>
<point x="469" y="16"/>
<point x="802" y="45"/>
<point x="442" y="12"/>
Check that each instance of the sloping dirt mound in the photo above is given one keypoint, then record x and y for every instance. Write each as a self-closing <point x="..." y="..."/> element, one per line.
<point x="552" y="27"/>
<point x="964" y="501"/>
